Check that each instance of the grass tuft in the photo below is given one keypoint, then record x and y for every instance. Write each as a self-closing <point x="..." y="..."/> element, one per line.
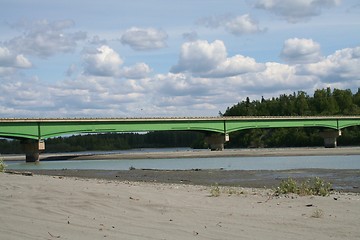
<point x="318" y="213"/>
<point x="314" y="186"/>
<point x="2" y="165"/>
<point x="215" y="191"/>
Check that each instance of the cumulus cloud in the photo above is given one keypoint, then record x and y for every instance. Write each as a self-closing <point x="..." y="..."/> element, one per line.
<point x="241" y="25"/>
<point x="96" y="40"/>
<point x="341" y="66"/>
<point x="302" y="50"/>
<point x="184" y="93"/>
<point x="43" y="38"/>
<point x="200" y="56"/>
<point x="205" y="59"/>
<point x="95" y="96"/>
<point x="296" y="10"/>
<point x="180" y="84"/>
<point x="104" y="61"/>
<point x="9" y="59"/>
<point x="20" y="96"/>
<point x="138" y="71"/>
<point x="238" y="25"/>
<point x="142" y="39"/>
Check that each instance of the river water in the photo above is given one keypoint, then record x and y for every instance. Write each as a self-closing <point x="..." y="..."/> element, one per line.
<point x="225" y="163"/>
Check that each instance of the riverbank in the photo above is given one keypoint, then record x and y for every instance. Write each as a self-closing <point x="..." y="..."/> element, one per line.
<point x="248" y="152"/>
<point x="49" y="207"/>
<point x="346" y="180"/>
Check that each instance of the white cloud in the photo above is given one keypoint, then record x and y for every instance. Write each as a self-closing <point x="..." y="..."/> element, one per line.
<point x="25" y="97"/>
<point x="43" y="38"/>
<point x="104" y="61"/>
<point x="96" y="40"/>
<point x="296" y="10"/>
<point x="180" y="84"/>
<point x="139" y="70"/>
<point x="238" y="25"/>
<point x="297" y="50"/>
<point x="235" y="65"/>
<point x="205" y="59"/>
<point x="9" y="59"/>
<point x="200" y="56"/>
<point x="341" y="66"/>
<point x="142" y="39"/>
<point x="172" y="94"/>
<point x="241" y="25"/>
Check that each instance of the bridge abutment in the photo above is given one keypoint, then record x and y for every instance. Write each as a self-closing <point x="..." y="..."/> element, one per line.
<point x="330" y="138"/>
<point x="216" y="141"/>
<point x="32" y="149"/>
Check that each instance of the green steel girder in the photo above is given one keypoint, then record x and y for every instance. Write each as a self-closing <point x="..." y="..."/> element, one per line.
<point x="46" y="128"/>
<point x="52" y="129"/>
<point x="29" y="130"/>
<point x="235" y="125"/>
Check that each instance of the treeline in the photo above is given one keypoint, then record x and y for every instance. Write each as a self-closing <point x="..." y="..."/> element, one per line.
<point x="324" y="102"/>
<point x="112" y="141"/>
<point x="123" y="141"/>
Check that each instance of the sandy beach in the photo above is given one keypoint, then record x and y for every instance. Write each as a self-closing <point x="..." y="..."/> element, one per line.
<point x="52" y="207"/>
<point x="153" y="204"/>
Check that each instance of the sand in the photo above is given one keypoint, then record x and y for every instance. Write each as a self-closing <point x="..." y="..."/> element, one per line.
<point x="52" y="207"/>
<point x="341" y="179"/>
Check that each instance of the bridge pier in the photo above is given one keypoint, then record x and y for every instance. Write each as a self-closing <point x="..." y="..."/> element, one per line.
<point x="330" y="138"/>
<point x="216" y="141"/>
<point x="32" y="149"/>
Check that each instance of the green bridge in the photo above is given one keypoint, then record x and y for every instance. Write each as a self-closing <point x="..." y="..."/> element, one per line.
<point x="33" y="132"/>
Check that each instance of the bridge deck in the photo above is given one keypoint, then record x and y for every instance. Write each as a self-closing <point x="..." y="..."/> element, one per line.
<point x="244" y="118"/>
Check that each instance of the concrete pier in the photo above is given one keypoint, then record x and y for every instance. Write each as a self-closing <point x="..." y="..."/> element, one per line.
<point x="216" y="141"/>
<point x="330" y="138"/>
<point x="32" y="149"/>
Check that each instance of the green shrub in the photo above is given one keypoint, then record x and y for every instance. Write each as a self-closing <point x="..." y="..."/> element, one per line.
<point x="320" y="187"/>
<point x="215" y="191"/>
<point x="287" y="186"/>
<point x="2" y="165"/>
<point x="313" y="186"/>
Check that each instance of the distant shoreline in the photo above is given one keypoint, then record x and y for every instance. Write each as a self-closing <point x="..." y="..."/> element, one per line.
<point x="246" y="152"/>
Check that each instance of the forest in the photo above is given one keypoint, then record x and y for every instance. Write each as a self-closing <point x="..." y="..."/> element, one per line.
<point x="111" y="141"/>
<point x="323" y="102"/>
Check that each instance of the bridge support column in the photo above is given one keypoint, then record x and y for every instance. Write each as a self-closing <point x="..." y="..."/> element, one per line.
<point x="33" y="149"/>
<point x="216" y="141"/>
<point x="330" y="138"/>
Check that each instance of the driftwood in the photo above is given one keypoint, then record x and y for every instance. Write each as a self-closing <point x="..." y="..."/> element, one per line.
<point x="53" y="236"/>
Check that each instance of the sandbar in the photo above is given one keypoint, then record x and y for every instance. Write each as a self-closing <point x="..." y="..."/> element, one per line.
<point x="57" y="207"/>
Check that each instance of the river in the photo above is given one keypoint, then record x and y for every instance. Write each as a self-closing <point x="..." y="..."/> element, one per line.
<point x="225" y="163"/>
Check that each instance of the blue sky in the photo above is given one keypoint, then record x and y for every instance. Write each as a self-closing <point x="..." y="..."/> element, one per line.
<point x="153" y="58"/>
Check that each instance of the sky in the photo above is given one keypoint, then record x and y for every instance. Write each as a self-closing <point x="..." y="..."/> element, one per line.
<point x="179" y="58"/>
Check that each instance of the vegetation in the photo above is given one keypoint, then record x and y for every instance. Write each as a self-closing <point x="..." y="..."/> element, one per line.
<point x="215" y="191"/>
<point x="314" y="186"/>
<point x="2" y="165"/>
<point x="324" y="102"/>
<point x="112" y="141"/>
<point x="318" y="213"/>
